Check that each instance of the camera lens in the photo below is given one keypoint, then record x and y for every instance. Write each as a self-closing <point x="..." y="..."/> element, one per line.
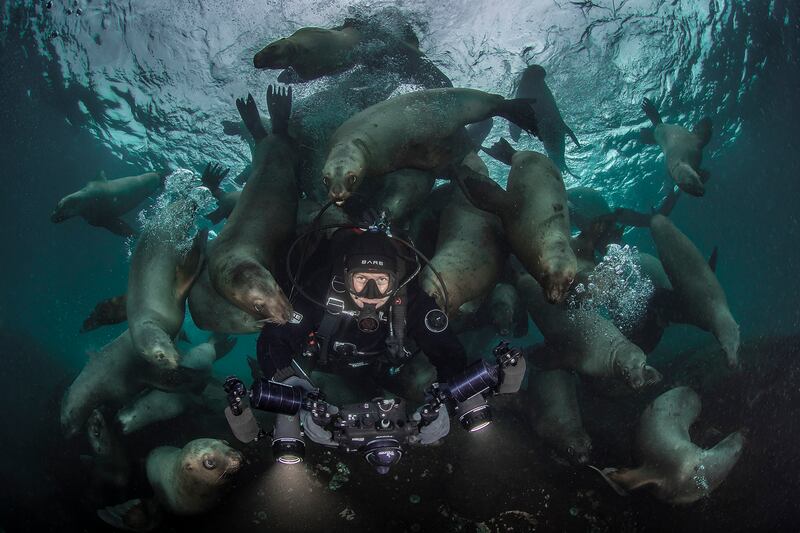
<point x="383" y="454"/>
<point x="474" y="413"/>
<point x="288" y="451"/>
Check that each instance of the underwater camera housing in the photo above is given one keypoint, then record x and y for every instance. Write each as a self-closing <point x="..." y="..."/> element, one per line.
<point x="467" y="391"/>
<point x="378" y="428"/>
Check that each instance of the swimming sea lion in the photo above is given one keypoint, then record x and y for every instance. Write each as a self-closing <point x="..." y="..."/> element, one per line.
<point x="534" y="214"/>
<point x="101" y="202"/>
<point x="211" y="312"/>
<point x="584" y="341"/>
<point x="552" y="127"/>
<point x="114" y="376"/>
<point x="422" y="130"/>
<point x="556" y="415"/>
<point x="470" y="253"/>
<point x="157" y="405"/>
<point x="678" y="470"/>
<point x="683" y="149"/>
<point x="698" y="296"/>
<point x="159" y="280"/>
<point x="108" y="312"/>
<point x="246" y="252"/>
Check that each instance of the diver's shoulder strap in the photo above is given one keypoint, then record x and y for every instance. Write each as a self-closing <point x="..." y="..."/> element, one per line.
<point x="331" y="319"/>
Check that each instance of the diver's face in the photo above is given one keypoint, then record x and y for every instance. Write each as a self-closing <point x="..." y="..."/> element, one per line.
<point x="360" y="280"/>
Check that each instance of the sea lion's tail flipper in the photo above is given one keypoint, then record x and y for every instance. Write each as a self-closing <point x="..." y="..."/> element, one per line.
<point x="484" y="194"/>
<point x="279" y="104"/>
<point x="251" y="117"/>
<point x="213" y="175"/>
<point x="501" y="150"/>
<point x="572" y="135"/>
<point x="133" y="515"/>
<point x="520" y="112"/>
<point x="712" y="261"/>
<point x="646" y="136"/>
<point x="703" y="130"/>
<point x="116" y="226"/>
<point x="479" y="130"/>
<point x="650" y="111"/>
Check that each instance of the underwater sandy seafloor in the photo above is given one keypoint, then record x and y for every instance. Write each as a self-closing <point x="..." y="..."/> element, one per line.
<point x="504" y="479"/>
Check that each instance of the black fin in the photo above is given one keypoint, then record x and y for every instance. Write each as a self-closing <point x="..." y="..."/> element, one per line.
<point x="501" y="150"/>
<point x="289" y="76"/>
<point x="712" y="261"/>
<point x="216" y="216"/>
<point x="114" y="225"/>
<point x="279" y="104"/>
<point x="520" y="112"/>
<point x="650" y="111"/>
<point x="479" y="130"/>
<point x="646" y="136"/>
<point x="514" y="132"/>
<point x="703" y="130"/>
<point x="251" y="117"/>
<point x="572" y="136"/>
<point x="668" y="203"/>
<point x="213" y="175"/>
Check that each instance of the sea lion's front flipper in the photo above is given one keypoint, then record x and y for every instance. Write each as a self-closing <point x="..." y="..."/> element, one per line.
<point x="212" y="176"/>
<point x="478" y="131"/>
<point x="572" y="135"/>
<point x="251" y="117"/>
<point x="133" y="515"/>
<point x="187" y="271"/>
<point x="604" y="474"/>
<point x="485" y="194"/>
<point x="115" y="225"/>
<point x="650" y="111"/>
<point x="703" y="130"/>
<point x="646" y="136"/>
<point x="501" y="150"/>
<point x="279" y="104"/>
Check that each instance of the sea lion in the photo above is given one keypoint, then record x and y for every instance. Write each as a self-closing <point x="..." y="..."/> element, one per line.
<point x="583" y="340"/>
<point x="109" y="462"/>
<point x="585" y="205"/>
<point x="246" y="252"/>
<point x="101" y="202"/>
<point x="398" y="194"/>
<point x="114" y="376"/>
<point x="556" y="415"/>
<point x="506" y="311"/>
<point x="159" y="281"/>
<point x="534" y="214"/>
<point x="157" y="405"/>
<point x="678" y="470"/>
<point x="105" y="313"/>
<point x="384" y="40"/>
<point x="211" y="312"/>
<point x="186" y="481"/>
<point x="698" y="298"/>
<point x="470" y="252"/>
<point x="421" y="129"/>
<point x="683" y="149"/>
<point x="552" y="127"/>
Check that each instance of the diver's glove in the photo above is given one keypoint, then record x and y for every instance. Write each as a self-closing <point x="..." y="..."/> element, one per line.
<point x="437" y="429"/>
<point x="314" y="431"/>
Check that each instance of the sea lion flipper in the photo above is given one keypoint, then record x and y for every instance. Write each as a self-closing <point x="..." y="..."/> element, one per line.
<point x="485" y="194"/>
<point x="614" y="485"/>
<point x="478" y="131"/>
<point x="133" y="515"/>
<point x="213" y="175"/>
<point x="115" y="225"/>
<point x="572" y="135"/>
<point x="668" y="203"/>
<point x="703" y="130"/>
<point x="501" y="150"/>
<point x="251" y="117"/>
<point x="187" y="271"/>
<point x="279" y="104"/>
<point x="631" y="217"/>
<point x="646" y="136"/>
<point x="514" y="132"/>
<point x="650" y="111"/>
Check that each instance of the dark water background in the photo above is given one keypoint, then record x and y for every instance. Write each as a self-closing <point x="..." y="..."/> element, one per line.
<point x="739" y="64"/>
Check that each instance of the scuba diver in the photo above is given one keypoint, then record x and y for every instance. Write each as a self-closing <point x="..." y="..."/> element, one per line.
<point x="356" y="317"/>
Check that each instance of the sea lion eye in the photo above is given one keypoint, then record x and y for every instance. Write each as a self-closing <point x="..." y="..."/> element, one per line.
<point x="351" y="179"/>
<point x="209" y="463"/>
<point x="326" y="181"/>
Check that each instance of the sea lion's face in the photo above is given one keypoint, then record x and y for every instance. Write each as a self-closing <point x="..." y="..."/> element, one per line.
<point x="502" y="318"/>
<point x="279" y="54"/>
<point x="343" y="172"/>
<point x="632" y="367"/>
<point x="579" y="449"/>
<point x="688" y="180"/>
<point x="157" y="348"/>
<point x="211" y="461"/>
<point x="66" y="208"/>
<point x="557" y="279"/>
<point x="254" y="290"/>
